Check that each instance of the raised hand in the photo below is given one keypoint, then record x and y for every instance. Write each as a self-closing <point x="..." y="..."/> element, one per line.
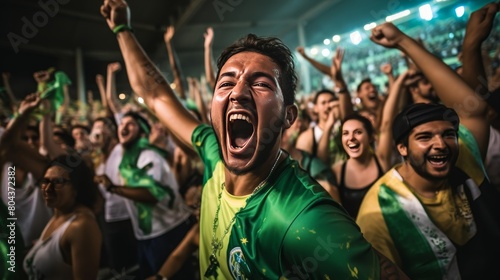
<point x="29" y="103"/>
<point x="99" y="78"/>
<point x="116" y="12"/>
<point x="169" y="33"/>
<point x="331" y="115"/>
<point x="336" y="68"/>
<point x="480" y="24"/>
<point x="387" y="35"/>
<point x="209" y="37"/>
<point x="42" y="76"/>
<point x="386" y="68"/>
<point x="301" y="50"/>
<point x="90" y="97"/>
<point x="114" y="67"/>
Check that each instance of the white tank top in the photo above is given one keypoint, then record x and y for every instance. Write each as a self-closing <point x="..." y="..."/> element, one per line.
<point x="45" y="259"/>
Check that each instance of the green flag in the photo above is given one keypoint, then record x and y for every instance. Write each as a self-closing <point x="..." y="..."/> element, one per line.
<point x="138" y="178"/>
<point x="55" y="89"/>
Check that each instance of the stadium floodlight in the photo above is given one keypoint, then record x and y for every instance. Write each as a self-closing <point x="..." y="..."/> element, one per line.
<point x="460" y="11"/>
<point x="370" y="26"/>
<point x="356" y="37"/>
<point x="326" y="42"/>
<point x="336" y="38"/>
<point x="314" y="51"/>
<point x="122" y="96"/>
<point x="426" y="12"/>
<point x="398" y="15"/>
<point x="325" y="52"/>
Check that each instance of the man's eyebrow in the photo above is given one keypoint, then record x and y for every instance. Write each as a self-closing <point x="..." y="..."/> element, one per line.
<point x="253" y="75"/>
<point x="231" y="74"/>
<point x="262" y="74"/>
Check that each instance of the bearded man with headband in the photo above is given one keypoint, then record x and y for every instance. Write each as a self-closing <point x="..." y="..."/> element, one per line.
<point x="436" y="214"/>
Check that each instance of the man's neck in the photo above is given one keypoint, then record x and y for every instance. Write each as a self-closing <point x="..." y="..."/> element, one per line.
<point x="423" y="186"/>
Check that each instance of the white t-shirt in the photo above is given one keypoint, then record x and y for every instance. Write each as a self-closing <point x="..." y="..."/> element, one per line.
<point x="30" y="209"/>
<point x="164" y="218"/>
<point x="115" y="208"/>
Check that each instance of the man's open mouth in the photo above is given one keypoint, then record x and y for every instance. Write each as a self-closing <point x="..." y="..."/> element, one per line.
<point x="438" y="160"/>
<point x="241" y="130"/>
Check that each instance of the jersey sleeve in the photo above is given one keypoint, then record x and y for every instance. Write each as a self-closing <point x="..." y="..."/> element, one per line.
<point x="205" y="144"/>
<point x="325" y="243"/>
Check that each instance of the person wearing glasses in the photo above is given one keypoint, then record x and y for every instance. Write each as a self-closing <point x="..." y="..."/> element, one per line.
<point x="69" y="246"/>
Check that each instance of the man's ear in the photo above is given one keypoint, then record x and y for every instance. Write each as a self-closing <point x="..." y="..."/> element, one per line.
<point x="402" y="149"/>
<point x="291" y="113"/>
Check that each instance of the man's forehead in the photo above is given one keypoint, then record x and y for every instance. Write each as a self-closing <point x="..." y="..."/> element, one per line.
<point x="250" y="62"/>
<point x="128" y="119"/>
<point x="433" y="126"/>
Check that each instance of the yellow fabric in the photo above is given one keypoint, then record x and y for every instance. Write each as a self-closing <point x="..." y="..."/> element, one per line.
<point x="451" y="215"/>
<point x="230" y="205"/>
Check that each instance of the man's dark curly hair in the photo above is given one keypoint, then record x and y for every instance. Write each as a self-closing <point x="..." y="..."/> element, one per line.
<point x="273" y="48"/>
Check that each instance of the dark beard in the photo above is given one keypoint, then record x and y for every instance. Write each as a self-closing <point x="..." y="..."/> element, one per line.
<point x="421" y="170"/>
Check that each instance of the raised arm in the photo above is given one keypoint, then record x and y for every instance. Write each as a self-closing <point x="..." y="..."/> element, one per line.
<point x="13" y="149"/>
<point x="112" y="101"/>
<point x="145" y="79"/>
<point x="179" y="88"/>
<point x="335" y="71"/>
<point x="208" y="58"/>
<point x="46" y="133"/>
<point x="196" y="95"/>
<point x="451" y="88"/>
<point x="478" y="29"/>
<point x="386" y="68"/>
<point x="385" y="142"/>
<point x="102" y="93"/>
<point x="316" y="64"/>
<point x="323" y="152"/>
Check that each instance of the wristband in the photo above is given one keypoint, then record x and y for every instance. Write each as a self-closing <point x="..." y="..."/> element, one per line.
<point x="122" y="27"/>
<point x="159" y="277"/>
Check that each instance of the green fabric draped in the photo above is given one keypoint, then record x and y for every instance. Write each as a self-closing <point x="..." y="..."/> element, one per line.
<point x="138" y="178"/>
<point x="419" y="261"/>
<point x="55" y="89"/>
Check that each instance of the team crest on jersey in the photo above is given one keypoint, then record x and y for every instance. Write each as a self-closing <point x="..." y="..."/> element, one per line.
<point x="237" y="264"/>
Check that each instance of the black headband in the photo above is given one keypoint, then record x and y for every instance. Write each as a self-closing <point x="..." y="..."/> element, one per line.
<point x="420" y="113"/>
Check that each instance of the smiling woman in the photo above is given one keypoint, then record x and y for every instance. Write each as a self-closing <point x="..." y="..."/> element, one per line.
<point x="69" y="247"/>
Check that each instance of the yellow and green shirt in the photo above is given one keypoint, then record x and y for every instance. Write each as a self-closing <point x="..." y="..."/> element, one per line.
<point x="445" y="237"/>
<point x="290" y="228"/>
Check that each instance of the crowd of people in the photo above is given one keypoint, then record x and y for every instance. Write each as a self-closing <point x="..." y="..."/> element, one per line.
<point x="252" y="182"/>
